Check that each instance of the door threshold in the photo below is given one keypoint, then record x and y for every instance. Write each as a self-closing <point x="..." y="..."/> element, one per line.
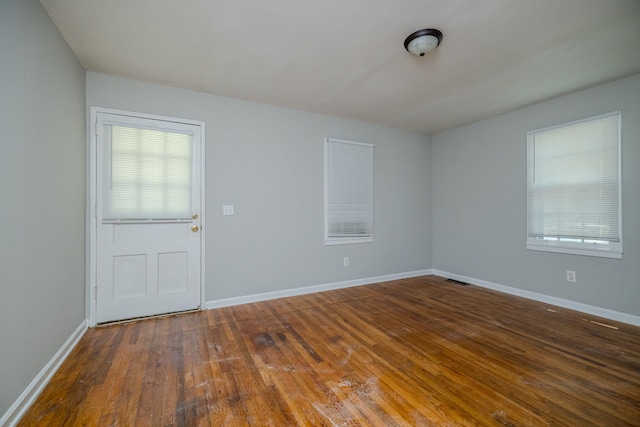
<point x="153" y="316"/>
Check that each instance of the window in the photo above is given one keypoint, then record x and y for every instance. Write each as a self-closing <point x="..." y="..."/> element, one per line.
<point x="348" y="192"/>
<point x="147" y="174"/>
<point x="573" y="187"/>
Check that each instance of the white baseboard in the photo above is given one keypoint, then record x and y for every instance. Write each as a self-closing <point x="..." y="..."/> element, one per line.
<point x="228" y="302"/>
<point x="29" y="395"/>
<point x="572" y="305"/>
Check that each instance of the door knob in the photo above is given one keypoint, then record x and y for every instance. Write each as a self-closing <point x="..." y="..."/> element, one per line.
<point x="194" y="228"/>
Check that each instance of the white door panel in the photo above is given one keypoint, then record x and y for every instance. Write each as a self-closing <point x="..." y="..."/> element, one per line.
<point x="146" y="266"/>
<point x="129" y="276"/>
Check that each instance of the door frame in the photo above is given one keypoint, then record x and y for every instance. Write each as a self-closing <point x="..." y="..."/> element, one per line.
<point x="92" y="192"/>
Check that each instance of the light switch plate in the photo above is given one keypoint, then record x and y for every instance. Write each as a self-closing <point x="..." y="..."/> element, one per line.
<point x="227" y="209"/>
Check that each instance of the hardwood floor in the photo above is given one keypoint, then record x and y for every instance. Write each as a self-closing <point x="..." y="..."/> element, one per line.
<point x="413" y="352"/>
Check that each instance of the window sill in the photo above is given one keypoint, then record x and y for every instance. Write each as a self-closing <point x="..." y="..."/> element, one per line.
<point x="347" y="241"/>
<point x="602" y="253"/>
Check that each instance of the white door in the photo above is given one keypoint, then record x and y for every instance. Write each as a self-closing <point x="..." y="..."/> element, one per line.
<point x="147" y="216"/>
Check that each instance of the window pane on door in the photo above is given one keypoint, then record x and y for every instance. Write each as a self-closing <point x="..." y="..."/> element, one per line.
<point x="147" y="174"/>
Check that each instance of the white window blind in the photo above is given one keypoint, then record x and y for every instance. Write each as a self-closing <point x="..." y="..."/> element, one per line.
<point x="573" y="184"/>
<point x="147" y="174"/>
<point x="348" y="192"/>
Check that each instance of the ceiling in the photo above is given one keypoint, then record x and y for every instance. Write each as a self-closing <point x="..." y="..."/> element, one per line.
<point x="346" y="58"/>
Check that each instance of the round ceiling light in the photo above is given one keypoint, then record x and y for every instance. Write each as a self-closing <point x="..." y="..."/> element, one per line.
<point x="423" y="41"/>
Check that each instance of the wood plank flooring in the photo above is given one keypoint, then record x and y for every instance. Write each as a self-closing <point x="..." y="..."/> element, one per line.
<point x="413" y="352"/>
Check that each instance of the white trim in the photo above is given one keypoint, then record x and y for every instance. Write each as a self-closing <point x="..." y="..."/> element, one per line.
<point x="343" y="141"/>
<point x="91" y="257"/>
<point x="571" y="305"/>
<point x="228" y="302"/>
<point x="602" y="253"/>
<point x="202" y="214"/>
<point x="29" y="395"/>
<point x="347" y="240"/>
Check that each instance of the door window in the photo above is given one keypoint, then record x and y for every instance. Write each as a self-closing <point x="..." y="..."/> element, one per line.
<point x="147" y="174"/>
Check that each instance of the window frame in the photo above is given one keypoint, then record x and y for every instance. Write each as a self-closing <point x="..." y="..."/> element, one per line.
<point x="575" y="245"/>
<point x="347" y="239"/>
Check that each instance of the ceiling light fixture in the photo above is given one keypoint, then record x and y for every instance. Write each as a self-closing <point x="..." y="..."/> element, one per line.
<point x="423" y="41"/>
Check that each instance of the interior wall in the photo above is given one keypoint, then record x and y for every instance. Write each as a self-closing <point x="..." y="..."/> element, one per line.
<point x="268" y="163"/>
<point x="42" y="182"/>
<point x="480" y="200"/>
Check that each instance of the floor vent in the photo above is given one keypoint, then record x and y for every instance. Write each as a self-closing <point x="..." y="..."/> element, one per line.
<point x="457" y="282"/>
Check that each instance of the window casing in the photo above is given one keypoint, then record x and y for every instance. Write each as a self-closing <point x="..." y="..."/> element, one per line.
<point x="348" y="192"/>
<point x="574" y="187"/>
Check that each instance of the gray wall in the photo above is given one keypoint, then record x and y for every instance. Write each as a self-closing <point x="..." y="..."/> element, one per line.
<point x="268" y="162"/>
<point x="479" y="203"/>
<point x="42" y="182"/>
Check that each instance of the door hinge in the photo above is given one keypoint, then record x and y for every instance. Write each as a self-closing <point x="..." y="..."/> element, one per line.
<point x="95" y="293"/>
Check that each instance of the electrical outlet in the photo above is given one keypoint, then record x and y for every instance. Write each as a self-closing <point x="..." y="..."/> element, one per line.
<point x="345" y="261"/>
<point x="571" y="276"/>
